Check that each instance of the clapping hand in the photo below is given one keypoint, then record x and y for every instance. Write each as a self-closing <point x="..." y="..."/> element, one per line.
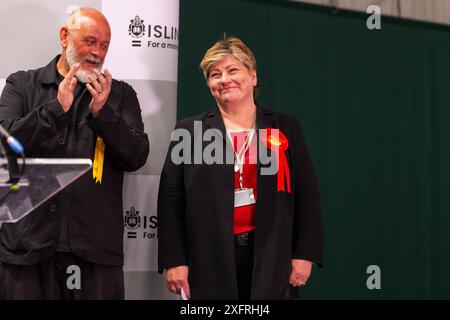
<point x="66" y="88"/>
<point x="99" y="87"/>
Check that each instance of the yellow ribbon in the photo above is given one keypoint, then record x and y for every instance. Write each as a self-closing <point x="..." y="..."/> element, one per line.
<point x="99" y="155"/>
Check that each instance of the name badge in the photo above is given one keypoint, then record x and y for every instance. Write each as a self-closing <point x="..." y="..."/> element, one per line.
<point x="243" y="197"/>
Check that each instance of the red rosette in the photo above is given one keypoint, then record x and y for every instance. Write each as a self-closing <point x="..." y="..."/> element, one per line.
<point x="275" y="140"/>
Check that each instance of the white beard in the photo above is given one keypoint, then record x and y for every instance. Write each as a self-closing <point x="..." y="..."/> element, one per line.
<point x="72" y="58"/>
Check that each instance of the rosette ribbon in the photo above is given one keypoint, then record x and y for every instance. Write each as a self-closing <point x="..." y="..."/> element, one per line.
<point x="276" y="141"/>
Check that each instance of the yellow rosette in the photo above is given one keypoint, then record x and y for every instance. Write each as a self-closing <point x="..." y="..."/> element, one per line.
<point x="99" y="155"/>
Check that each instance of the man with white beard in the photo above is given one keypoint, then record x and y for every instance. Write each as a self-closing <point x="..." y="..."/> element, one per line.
<point x="70" y="109"/>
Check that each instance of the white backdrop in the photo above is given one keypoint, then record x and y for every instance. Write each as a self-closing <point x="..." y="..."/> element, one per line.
<point x="147" y="60"/>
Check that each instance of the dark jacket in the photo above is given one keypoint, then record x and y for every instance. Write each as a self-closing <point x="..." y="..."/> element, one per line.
<point x="195" y="217"/>
<point x="30" y="111"/>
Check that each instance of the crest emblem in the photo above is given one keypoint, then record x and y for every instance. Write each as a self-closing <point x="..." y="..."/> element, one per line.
<point x="136" y="28"/>
<point x="132" y="220"/>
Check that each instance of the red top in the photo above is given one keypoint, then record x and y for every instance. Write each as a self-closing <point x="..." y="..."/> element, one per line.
<point x="244" y="216"/>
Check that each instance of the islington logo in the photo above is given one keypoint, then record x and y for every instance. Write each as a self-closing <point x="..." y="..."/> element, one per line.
<point x="155" y="36"/>
<point x="136" y="29"/>
<point x="135" y="229"/>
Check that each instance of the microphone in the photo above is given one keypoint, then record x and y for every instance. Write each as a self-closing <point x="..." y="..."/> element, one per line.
<point x="13" y="143"/>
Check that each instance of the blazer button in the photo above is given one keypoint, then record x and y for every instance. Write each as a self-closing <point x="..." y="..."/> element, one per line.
<point x="52" y="208"/>
<point x="61" y="141"/>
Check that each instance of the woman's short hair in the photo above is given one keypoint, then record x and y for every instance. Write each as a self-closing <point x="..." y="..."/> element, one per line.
<point x="229" y="46"/>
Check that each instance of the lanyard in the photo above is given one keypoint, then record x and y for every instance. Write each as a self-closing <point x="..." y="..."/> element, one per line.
<point x="239" y="157"/>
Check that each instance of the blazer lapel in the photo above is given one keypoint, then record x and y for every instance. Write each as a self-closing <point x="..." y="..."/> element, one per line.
<point x="264" y="118"/>
<point x="214" y="120"/>
<point x="266" y="185"/>
<point x="224" y="174"/>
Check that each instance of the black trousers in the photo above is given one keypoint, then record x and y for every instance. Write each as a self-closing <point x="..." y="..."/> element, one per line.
<point x="63" y="276"/>
<point x="243" y="246"/>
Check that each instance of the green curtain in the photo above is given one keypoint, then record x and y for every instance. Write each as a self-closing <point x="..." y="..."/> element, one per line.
<point x="374" y="106"/>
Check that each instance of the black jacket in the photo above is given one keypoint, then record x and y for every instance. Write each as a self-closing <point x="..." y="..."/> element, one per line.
<point x="30" y="111"/>
<point x="195" y="216"/>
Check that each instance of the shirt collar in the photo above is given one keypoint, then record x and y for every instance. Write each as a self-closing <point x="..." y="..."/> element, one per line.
<point x="50" y="74"/>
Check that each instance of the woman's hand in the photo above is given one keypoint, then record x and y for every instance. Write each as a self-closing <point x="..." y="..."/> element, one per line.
<point x="177" y="278"/>
<point x="301" y="270"/>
